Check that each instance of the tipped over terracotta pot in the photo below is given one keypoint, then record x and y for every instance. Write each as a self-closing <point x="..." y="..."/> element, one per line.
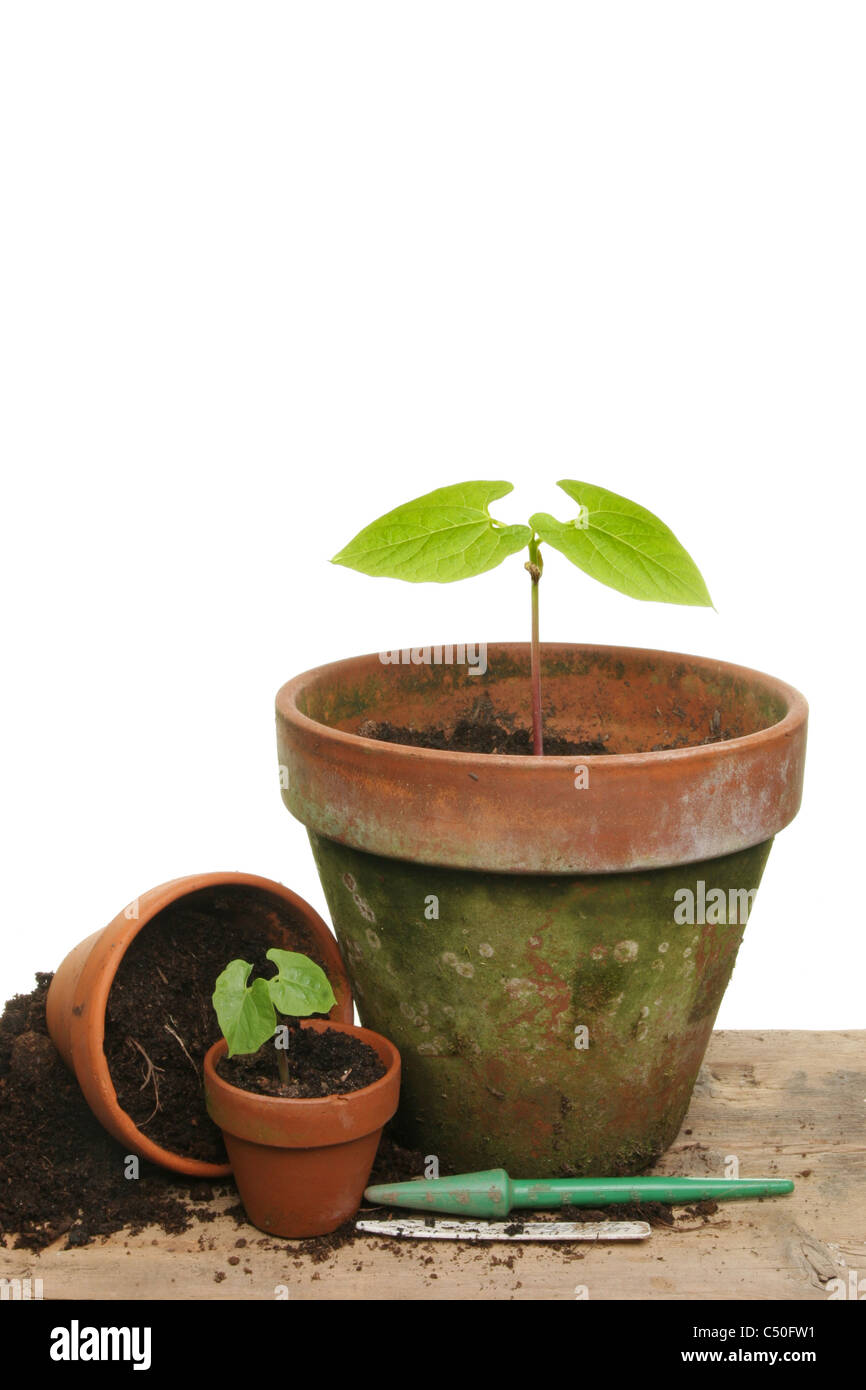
<point x="301" y="1166"/>
<point x="78" y="994"/>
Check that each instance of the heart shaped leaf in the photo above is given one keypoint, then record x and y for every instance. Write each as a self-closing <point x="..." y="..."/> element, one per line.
<point x="245" y="1012"/>
<point x="624" y="546"/>
<point x="300" y="987"/>
<point x="444" y="535"/>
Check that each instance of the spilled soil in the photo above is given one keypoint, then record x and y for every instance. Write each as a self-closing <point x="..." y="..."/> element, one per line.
<point x="61" y="1175"/>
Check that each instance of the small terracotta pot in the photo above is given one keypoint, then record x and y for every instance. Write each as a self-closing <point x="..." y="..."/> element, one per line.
<point x="301" y="1166"/>
<point x="78" y="994"/>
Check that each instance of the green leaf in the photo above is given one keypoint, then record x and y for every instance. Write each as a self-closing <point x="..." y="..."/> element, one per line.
<point x="246" y="1014"/>
<point x="444" y="535"/>
<point x="624" y="546"/>
<point x="300" y="987"/>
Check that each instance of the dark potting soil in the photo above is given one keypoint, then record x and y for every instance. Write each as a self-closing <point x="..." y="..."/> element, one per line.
<point x="482" y="730"/>
<point x="320" y="1064"/>
<point x="62" y="1175"/>
<point x="160" y="1022"/>
<point x="477" y="736"/>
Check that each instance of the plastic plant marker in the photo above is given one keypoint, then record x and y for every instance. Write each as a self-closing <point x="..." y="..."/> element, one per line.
<point x="500" y="1230"/>
<point x="493" y="1193"/>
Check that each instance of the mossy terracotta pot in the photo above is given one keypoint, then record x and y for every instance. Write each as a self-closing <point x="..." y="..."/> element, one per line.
<point x="78" y="994"/>
<point x="301" y="1166"/>
<point x="547" y="940"/>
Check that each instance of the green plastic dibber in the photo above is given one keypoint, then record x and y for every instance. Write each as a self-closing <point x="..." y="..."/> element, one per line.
<point x="493" y="1193"/>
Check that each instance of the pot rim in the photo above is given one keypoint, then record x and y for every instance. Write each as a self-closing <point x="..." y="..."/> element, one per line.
<point x="340" y="1097"/>
<point x="795" y="715"/>
<point x="520" y="814"/>
<point x="317" y="1122"/>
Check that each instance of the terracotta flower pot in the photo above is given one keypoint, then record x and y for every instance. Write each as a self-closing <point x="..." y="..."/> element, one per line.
<point x="512" y="922"/>
<point x="78" y="994"/>
<point x="301" y="1166"/>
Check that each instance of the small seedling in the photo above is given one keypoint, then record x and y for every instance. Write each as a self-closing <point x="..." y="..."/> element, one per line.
<point x="449" y="534"/>
<point x="248" y="1014"/>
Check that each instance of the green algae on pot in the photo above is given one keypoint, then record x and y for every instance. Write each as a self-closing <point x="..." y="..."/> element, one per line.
<point x="543" y="937"/>
<point x="554" y="1023"/>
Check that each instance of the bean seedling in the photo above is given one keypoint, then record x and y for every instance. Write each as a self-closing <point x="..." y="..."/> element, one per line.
<point x="449" y="534"/>
<point x="248" y="1013"/>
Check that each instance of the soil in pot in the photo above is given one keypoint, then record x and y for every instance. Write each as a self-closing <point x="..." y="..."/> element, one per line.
<point x="160" y="1020"/>
<point x="483" y="729"/>
<point x="320" y="1064"/>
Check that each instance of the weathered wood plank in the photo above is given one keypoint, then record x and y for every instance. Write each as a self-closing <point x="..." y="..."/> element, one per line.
<point x="786" y="1103"/>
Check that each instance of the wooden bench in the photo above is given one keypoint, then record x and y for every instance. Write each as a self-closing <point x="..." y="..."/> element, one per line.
<point x="791" y="1104"/>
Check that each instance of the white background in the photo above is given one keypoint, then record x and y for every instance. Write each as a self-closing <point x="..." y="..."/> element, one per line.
<point x="270" y="269"/>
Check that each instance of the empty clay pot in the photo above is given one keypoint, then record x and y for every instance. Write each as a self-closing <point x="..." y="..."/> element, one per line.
<point x="78" y="994"/>
<point x="301" y="1166"/>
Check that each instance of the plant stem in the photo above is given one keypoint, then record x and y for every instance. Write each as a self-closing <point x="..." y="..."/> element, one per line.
<point x="283" y="1066"/>
<point x="535" y="567"/>
<point x="282" y="1058"/>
